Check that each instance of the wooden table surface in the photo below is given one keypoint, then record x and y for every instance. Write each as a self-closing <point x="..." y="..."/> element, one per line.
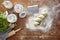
<point x="26" y="34"/>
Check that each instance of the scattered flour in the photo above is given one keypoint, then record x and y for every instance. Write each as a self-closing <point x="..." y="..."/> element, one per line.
<point x="45" y="24"/>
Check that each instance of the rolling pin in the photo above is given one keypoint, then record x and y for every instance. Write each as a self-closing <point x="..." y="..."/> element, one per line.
<point x="13" y="32"/>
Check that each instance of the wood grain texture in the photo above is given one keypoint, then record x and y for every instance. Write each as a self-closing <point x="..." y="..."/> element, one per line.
<point x="26" y="34"/>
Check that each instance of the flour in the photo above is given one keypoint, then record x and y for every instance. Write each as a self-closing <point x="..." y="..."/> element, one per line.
<point x="45" y="24"/>
<point x="56" y="8"/>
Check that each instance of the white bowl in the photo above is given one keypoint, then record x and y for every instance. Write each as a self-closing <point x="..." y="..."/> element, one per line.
<point x="11" y="18"/>
<point x="18" y="8"/>
<point x="7" y="4"/>
<point x="22" y="15"/>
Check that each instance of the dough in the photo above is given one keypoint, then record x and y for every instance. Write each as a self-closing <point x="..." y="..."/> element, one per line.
<point x="37" y="19"/>
<point x="36" y="23"/>
<point x="41" y="16"/>
<point x="44" y="14"/>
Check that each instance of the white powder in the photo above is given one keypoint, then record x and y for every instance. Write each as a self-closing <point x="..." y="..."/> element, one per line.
<point x="45" y="24"/>
<point x="56" y="8"/>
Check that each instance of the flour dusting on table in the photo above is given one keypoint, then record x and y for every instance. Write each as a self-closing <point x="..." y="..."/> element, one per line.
<point x="45" y="24"/>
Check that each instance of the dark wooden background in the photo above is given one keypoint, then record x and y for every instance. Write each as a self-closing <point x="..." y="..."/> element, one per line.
<point x="26" y="34"/>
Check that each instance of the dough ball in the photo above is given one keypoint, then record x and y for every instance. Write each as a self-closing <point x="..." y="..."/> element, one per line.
<point x="36" y="23"/>
<point x="41" y="16"/>
<point x="37" y="19"/>
<point x="44" y="14"/>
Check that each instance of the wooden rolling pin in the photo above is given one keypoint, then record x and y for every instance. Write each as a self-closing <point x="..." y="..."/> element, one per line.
<point x="13" y="32"/>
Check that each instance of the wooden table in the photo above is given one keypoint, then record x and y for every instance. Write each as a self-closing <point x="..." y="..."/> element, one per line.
<point x="26" y="34"/>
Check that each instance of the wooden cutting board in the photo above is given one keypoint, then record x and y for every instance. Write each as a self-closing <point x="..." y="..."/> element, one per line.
<point x="26" y="34"/>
